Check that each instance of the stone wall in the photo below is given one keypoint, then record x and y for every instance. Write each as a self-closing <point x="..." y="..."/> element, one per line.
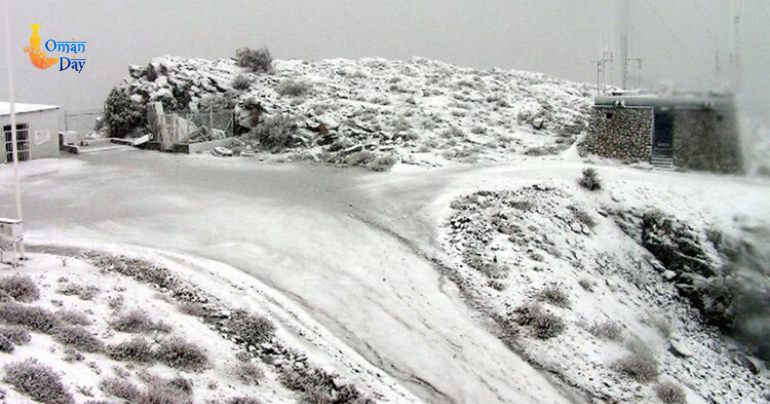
<point x="621" y="133"/>
<point x="707" y="139"/>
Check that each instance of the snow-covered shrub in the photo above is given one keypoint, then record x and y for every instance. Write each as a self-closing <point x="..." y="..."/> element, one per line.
<point x="78" y="338"/>
<point x="21" y="287"/>
<point x="192" y="309"/>
<point x="88" y="292"/>
<point x="640" y="364"/>
<point x="554" y="294"/>
<point x="590" y="180"/>
<point x="544" y="324"/>
<point x="583" y="217"/>
<point x="661" y="324"/>
<point x="217" y="102"/>
<point x="253" y="400"/>
<point x="253" y="329"/>
<point x="137" y="321"/>
<point x="122" y="114"/>
<point x="73" y="317"/>
<point x="361" y="158"/>
<point x="292" y="88"/>
<point x="241" y="82"/>
<point x="609" y="329"/>
<point x="120" y="388"/>
<point x="318" y="387"/>
<point x="181" y="354"/>
<point x="256" y="60"/>
<point x="670" y="393"/>
<point x="72" y="355"/>
<point x="134" y="350"/>
<point x="31" y="317"/>
<point x="17" y="335"/>
<point x="383" y="163"/>
<point x="586" y="284"/>
<point x="275" y="133"/>
<point x="38" y="381"/>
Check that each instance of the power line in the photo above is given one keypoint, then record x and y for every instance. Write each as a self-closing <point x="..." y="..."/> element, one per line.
<point x="670" y="31"/>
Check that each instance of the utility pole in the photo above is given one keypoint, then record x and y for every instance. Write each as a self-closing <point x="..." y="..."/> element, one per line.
<point x="736" y="18"/>
<point x="624" y="28"/>
<point x="14" y="145"/>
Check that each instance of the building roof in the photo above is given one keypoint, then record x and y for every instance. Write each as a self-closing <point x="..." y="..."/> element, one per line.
<point x="5" y="108"/>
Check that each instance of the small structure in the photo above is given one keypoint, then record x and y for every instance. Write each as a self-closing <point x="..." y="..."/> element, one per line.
<point x="190" y="132"/>
<point x="698" y="132"/>
<point x="37" y="128"/>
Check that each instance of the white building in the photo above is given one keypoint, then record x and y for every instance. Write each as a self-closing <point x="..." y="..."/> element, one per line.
<point x="37" y="128"/>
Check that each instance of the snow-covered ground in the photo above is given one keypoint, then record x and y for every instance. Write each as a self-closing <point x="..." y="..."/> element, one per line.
<point x="425" y="112"/>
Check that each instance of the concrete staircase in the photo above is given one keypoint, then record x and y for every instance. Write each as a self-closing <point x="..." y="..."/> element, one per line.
<point x="663" y="159"/>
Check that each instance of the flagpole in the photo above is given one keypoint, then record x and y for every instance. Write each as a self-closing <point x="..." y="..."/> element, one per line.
<point x="14" y="146"/>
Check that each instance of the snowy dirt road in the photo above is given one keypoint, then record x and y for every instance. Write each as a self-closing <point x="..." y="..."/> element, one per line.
<point x="307" y="232"/>
<point x="297" y="229"/>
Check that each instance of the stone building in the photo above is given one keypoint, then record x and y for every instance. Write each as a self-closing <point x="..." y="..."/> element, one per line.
<point x="689" y="132"/>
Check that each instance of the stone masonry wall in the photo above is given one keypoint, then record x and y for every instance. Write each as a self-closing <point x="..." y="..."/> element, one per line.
<point x="621" y="133"/>
<point x="707" y="140"/>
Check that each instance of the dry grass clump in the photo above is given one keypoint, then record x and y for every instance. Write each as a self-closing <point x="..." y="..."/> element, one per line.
<point x="586" y="284"/>
<point x="554" y="294"/>
<point x="670" y="393"/>
<point x="77" y="337"/>
<point x="20" y="287"/>
<point x="292" y="88"/>
<point x="137" y="321"/>
<point x="383" y="163"/>
<point x="88" y="292"/>
<point x="253" y="400"/>
<point x="253" y="329"/>
<point x="17" y="335"/>
<point x="608" y="329"/>
<point x="73" y="317"/>
<point x="544" y="324"/>
<point x="31" y="317"/>
<point x="134" y="350"/>
<point x="241" y="82"/>
<point x="640" y="364"/>
<point x="180" y="354"/>
<point x="37" y="381"/>
<point x="248" y="373"/>
<point x="256" y="60"/>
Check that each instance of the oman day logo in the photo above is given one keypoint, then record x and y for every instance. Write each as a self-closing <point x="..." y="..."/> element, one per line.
<point x="40" y="60"/>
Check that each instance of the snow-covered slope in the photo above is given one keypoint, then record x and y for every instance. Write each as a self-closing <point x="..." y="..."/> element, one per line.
<point x="426" y="112"/>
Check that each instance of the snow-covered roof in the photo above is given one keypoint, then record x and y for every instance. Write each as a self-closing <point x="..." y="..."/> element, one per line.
<point x="5" y="108"/>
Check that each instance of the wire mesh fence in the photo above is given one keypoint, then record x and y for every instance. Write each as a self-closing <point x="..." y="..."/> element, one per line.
<point x="82" y="122"/>
<point x="185" y="127"/>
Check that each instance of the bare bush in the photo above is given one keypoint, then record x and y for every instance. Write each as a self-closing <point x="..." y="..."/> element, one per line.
<point x="241" y="82"/>
<point x="31" y="317"/>
<point x="73" y="317"/>
<point x="254" y="329"/>
<point x="256" y="60"/>
<point x="244" y="400"/>
<point x="37" y="381"/>
<point x="17" y="335"/>
<point x="77" y="337"/>
<point x="192" y="309"/>
<point x="554" y="294"/>
<point x="21" y="287"/>
<point x="640" y="364"/>
<point x="609" y="329"/>
<point x="88" y="292"/>
<point x="544" y="324"/>
<point x="6" y="345"/>
<point x="180" y="354"/>
<point x="137" y="321"/>
<point x="292" y="88"/>
<point x="72" y="355"/>
<point x="276" y="133"/>
<point x="116" y="302"/>
<point x="670" y="393"/>
<point x="135" y="350"/>
<point x="248" y="373"/>
<point x="590" y="180"/>
<point x="120" y="388"/>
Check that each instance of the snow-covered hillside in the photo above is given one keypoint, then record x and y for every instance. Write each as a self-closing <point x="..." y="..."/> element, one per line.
<point x="423" y="112"/>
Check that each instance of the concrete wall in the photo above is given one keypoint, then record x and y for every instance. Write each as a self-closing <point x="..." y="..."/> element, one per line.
<point x="621" y="133"/>
<point x="708" y="140"/>
<point x="40" y="123"/>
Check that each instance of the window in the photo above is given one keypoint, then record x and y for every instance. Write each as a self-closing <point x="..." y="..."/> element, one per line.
<point x="609" y="115"/>
<point x="22" y="142"/>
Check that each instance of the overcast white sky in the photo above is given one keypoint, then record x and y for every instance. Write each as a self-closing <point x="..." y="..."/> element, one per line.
<point x="558" y="37"/>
